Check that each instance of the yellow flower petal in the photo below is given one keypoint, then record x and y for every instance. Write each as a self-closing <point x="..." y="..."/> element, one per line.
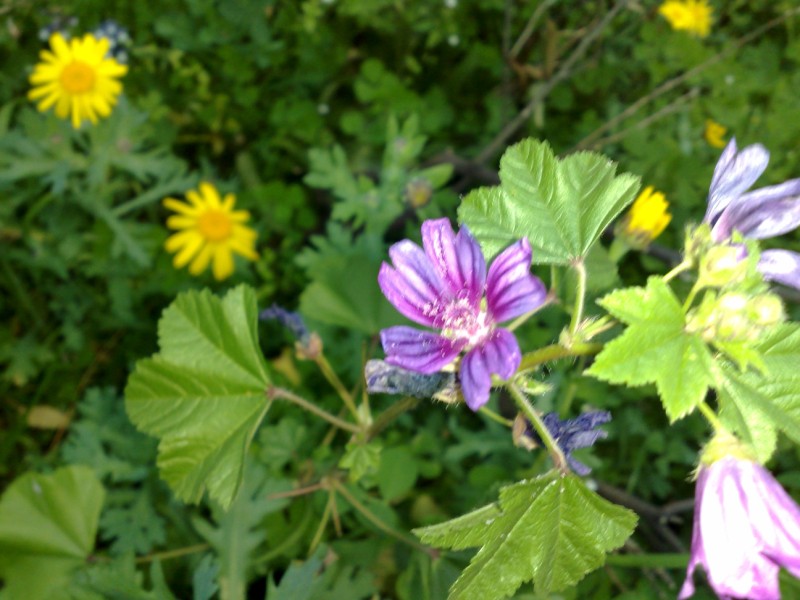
<point x="223" y="263"/>
<point x="77" y="79"/>
<point x="210" y="231"/>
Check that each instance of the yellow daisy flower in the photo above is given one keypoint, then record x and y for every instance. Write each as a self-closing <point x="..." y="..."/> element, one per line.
<point x="715" y="134"/>
<point x="77" y="78"/>
<point x="646" y="219"/>
<point x="209" y="231"/>
<point x="693" y="16"/>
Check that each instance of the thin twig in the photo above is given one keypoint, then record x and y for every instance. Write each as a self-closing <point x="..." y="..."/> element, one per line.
<point x="675" y="81"/>
<point x="530" y="26"/>
<point x="544" y="90"/>
<point x="674" y="106"/>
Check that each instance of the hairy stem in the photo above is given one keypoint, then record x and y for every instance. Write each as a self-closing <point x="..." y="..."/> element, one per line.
<point x="580" y="297"/>
<point x="275" y="392"/>
<point x="533" y="359"/>
<point x="559" y="460"/>
<point x="336" y="383"/>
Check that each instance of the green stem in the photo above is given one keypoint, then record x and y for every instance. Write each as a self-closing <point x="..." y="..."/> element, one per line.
<point x="275" y="392"/>
<point x="677" y="270"/>
<point x="559" y="460"/>
<point x="326" y="515"/>
<point x="172" y="553"/>
<point x="531" y="360"/>
<point x="711" y="417"/>
<point x="692" y="294"/>
<point x="390" y="414"/>
<point x="489" y="413"/>
<point x="369" y="516"/>
<point x="336" y="383"/>
<point x="580" y="297"/>
<point x="292" y="538"/>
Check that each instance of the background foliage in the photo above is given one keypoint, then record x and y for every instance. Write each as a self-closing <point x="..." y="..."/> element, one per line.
<point x="340" y="125"/>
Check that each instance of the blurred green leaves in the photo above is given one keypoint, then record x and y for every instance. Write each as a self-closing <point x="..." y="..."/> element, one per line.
<point x="48" y="525"/>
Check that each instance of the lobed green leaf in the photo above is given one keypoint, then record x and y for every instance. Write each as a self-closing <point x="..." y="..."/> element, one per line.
<point x="561" y="206"/>
<point x="551" y="530"/>
<point x="203" y="395"/>
<point x="655" y="348"/>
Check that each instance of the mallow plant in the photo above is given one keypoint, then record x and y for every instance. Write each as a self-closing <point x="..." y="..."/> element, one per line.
<point x="711" y="336"/>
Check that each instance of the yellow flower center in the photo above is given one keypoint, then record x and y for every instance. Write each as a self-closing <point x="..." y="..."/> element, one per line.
<point x="215" y="225"/>
<point x="77" y="77"/>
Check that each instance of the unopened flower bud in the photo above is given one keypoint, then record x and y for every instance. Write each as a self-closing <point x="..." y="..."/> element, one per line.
<point x="765" y="310"/>
<point x="418" y="192"/>
<point x="723" y="265"/>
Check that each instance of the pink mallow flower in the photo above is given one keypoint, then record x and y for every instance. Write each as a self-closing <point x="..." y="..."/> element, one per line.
<point x="746" y="527"/>
<point x="444" y="285"/>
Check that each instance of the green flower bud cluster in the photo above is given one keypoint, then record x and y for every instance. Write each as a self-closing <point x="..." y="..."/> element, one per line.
<point x="735" y="316"/>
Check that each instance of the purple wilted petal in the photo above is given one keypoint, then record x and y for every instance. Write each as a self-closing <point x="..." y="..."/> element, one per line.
<point x="457" y="258"/>
<point x="734" y="174"/>
<point x="746" y="527"/>
<point x="511" y="289"/>
<point x="413" y="285"/>
<point x="763" y="213"/>
<point x="498" y="355"/>
<point x="383" y="378"/>
<point x="574" y="434"/>
<point x="782" y="266"/>
<point x="417" y="350"/>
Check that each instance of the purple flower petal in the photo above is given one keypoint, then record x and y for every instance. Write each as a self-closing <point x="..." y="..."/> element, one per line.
<point x="782" y="266"/>
<point x="511" y="289"/>
<point x="457" y="258"/>
<point x="763" y="213"/>
<point x="745" y="528"/>
<point x="734" y="174"/>
<point x="413" y="286"/>
<point x="498" y="355"/>
<point x="417" y="350"/>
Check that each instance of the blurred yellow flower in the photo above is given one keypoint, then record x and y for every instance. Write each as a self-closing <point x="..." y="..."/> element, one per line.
<point x="693" y="16"/>
<point x="77" y="78"/>
<point x="209" y="230"/>
<point x="714" y="134"/>
<point x="646" y="219"/>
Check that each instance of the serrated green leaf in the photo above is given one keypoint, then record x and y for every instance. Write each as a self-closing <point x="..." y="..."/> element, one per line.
<point x="757" y="403"/>
<point x="203" y="394"/>
<point x="121" y="580"/>
<point x="48" y="525"/>
<point x="299" y="581"/>
<point x="561" y="206"/>
<point x="551" y="530"/>
<point x="655" y="348"/>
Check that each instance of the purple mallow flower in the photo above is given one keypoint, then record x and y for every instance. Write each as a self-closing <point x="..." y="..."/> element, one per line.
<point x="573" y="434"/>
<point x="746" y="527"/>
<point x="758" y="214"/>
<point x="445" y="285"/>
